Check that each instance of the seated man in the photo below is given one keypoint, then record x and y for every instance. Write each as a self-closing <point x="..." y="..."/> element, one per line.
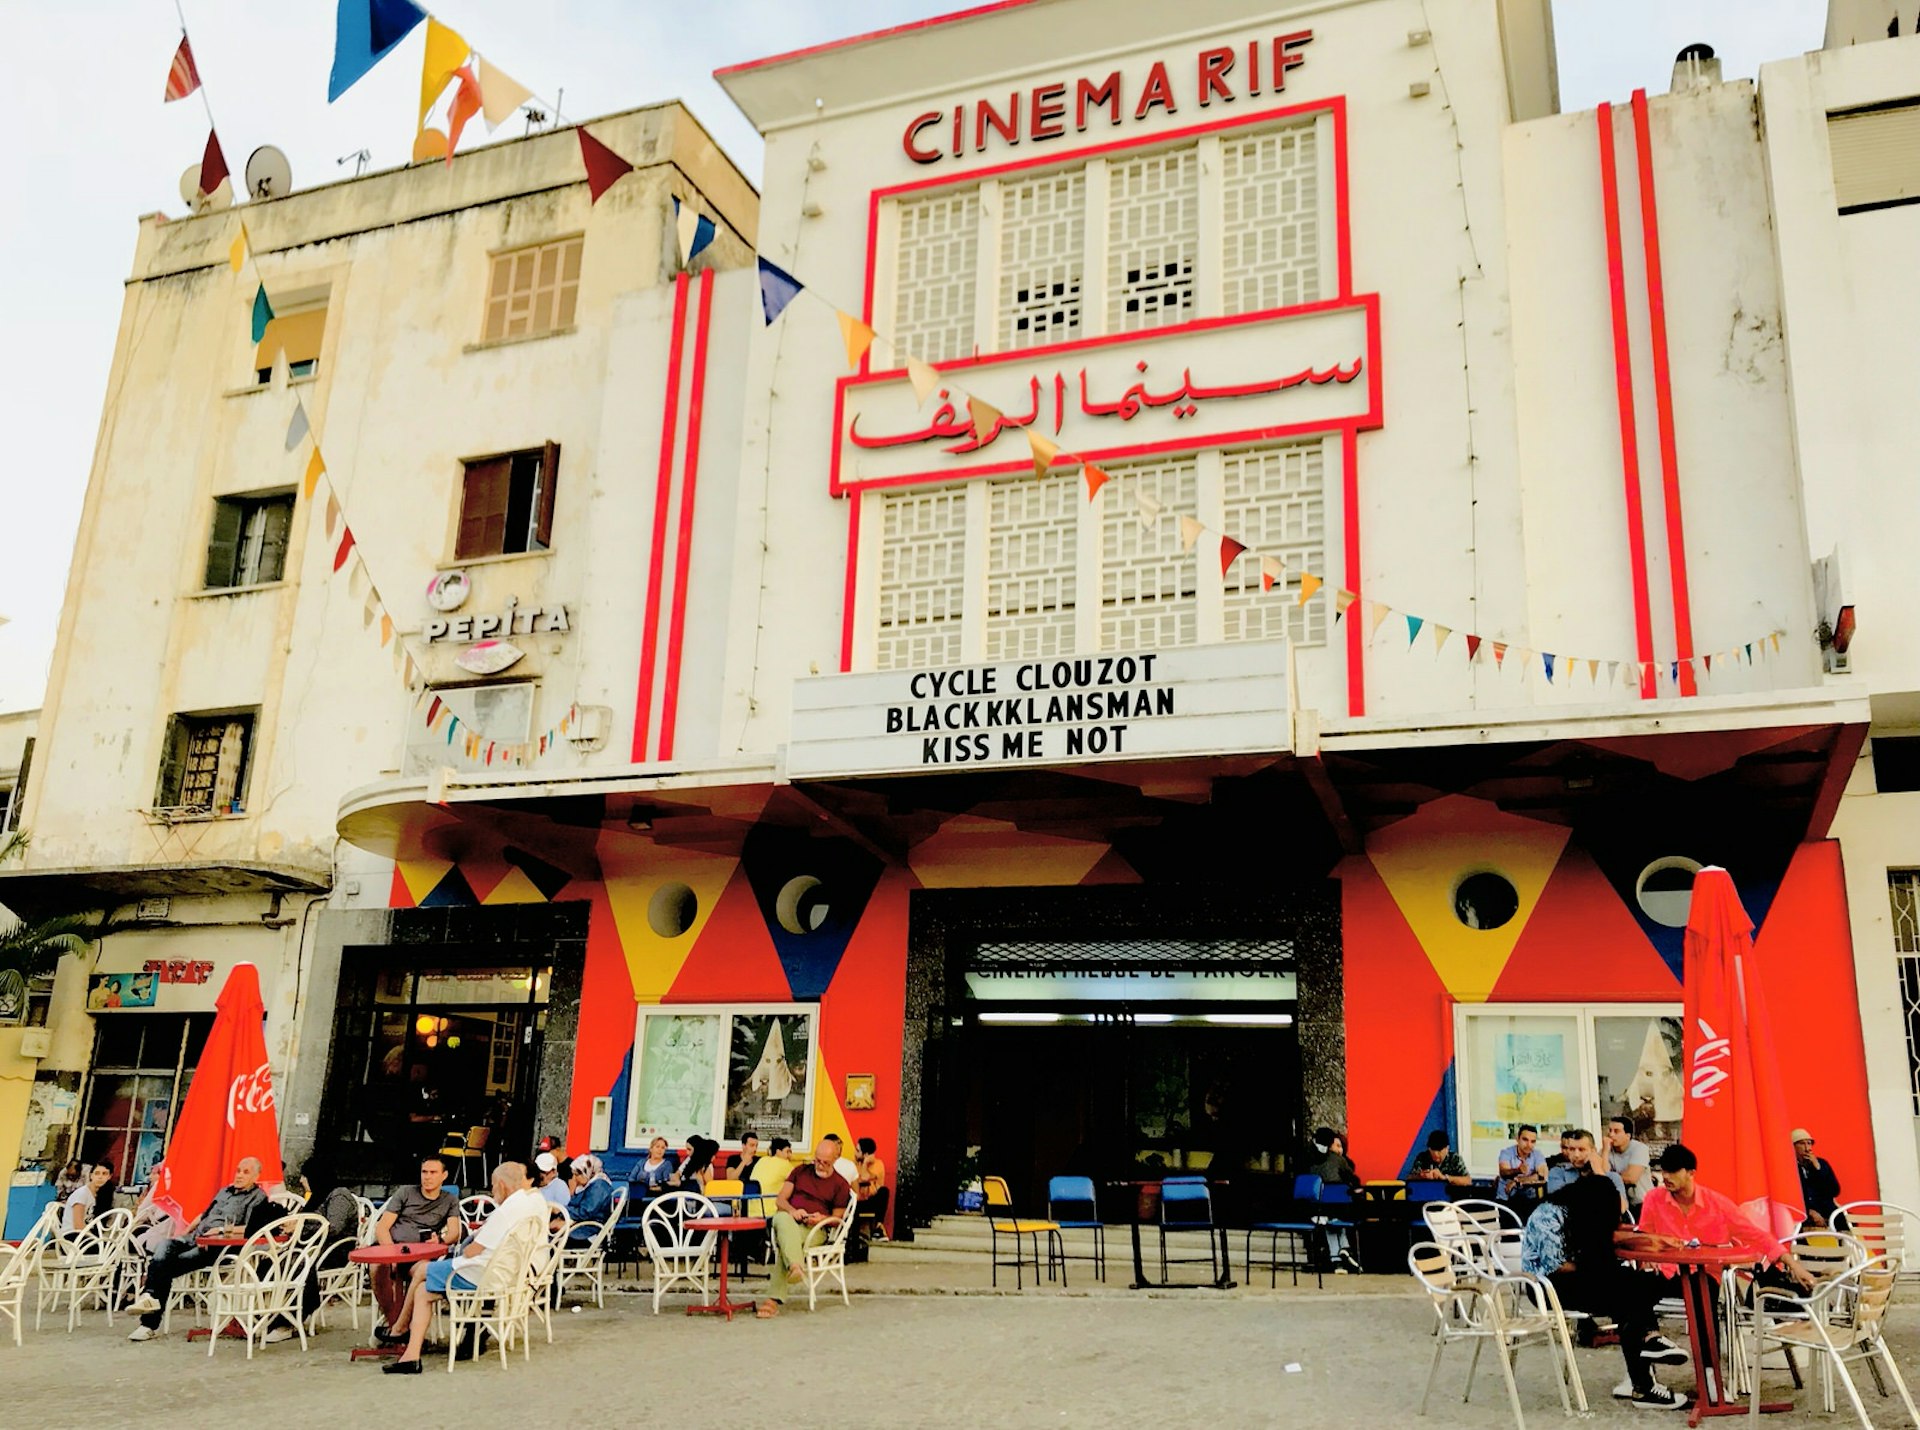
<point x="517" y="1202"/>
<point x="813" y="1195"/>
<point x="1819" y="1183"/>
<point x="749" y="1154"/>
<point x="413" y="1215"/>
<point x="1560" y="1168"/>
<point x="1680" y="1210"/>
<point x="1523" y="1170"/>
<point x="1439" y="1163"/>
<point x="870" y="1186"/>
<point x="238" y="1210"/>
<point x="549" y="1183"/>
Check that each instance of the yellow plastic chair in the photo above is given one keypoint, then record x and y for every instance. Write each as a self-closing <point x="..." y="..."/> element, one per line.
<point x="1000" y="1200"/>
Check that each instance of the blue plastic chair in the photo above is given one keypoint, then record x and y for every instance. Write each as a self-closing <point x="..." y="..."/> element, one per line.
<point x="1186" y="1204"/>
<point x="1300" y="1233"/>
<point x="1075" y="1197"/>
<point x="1429" y="1192"/>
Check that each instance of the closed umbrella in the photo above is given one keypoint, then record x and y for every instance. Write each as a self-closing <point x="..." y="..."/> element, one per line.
<point x="228" y="1113"/>
<point x="1736" y="1114"/>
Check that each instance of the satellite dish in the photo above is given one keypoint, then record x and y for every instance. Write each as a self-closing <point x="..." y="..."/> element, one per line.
<point x="198" y="202"/>
<point x="269" y="175"/>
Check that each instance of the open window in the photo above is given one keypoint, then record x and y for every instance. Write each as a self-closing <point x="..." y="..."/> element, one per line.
<point x="248" y="546"/>
<point x="297" y="334"/>
<point x="506" y="503"/>
<point x="204" y="764"/>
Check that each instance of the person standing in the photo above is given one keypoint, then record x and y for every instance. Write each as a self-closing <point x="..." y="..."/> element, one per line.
<point x="1630" y="1160"/>
<point x="1819" y="1183"/>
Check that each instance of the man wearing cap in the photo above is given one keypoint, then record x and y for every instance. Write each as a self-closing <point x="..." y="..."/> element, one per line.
<point x="548" y="1181"/>
<point x="1819" y="1185"/>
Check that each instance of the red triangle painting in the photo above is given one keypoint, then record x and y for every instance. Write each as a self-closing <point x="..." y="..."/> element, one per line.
<point x="1581" y="924"/>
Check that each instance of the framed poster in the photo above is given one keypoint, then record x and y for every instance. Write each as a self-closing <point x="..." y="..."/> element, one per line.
<point x="722" y="1071"/>
<point x="860" y="1092"/>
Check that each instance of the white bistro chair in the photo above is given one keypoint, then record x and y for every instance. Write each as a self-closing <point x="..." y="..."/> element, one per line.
<point x="81" y="1266"/>
<point x="1842" y="1320"/>
<point x="502" y="1299"/>
<point x="678" y="1255"/>
<point x="587" y="1261"/>
<point x="824" y="1255"/>
<point x="1475" y="1304"/>
<point x="261" y="1283"/>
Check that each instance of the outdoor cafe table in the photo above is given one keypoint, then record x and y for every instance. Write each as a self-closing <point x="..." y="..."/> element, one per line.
<point x="391" y="1255"/>
<point x="1696" y="1265"/>
<point x="725" y="1226"/>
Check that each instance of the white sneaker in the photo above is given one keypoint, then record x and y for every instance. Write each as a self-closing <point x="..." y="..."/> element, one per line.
<point x="1659" y="1397"/>
<point x="1662" y="1351"/>
<point x="145" y="1304"/>
<point x="277" y="1335"/>
<point x="1623" y="1391"/>
<point x="144" y="1333"/>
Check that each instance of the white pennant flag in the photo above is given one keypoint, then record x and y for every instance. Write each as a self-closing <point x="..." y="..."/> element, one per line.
<point x="1149" y="508"/>
<point x="686" y="228"/>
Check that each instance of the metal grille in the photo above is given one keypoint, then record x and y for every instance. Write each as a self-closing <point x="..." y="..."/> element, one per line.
<point x="1274" y="502"/>
<point x="1271" y="211"/>
<point x="1032" y="548"/>
<point x="1910" y="1005"/>
<point x="933" y="277"/>
<point x="1153" y="238"/>
<point x="1903" y="892"/>
<point x="1154" y="952"/>
<point x="1148" y="597"/>
<point x="922" y="578"/>
<point x="1042" y="226"/>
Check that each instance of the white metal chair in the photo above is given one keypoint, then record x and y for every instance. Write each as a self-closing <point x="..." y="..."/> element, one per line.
<point x="1473" y="1304"/>
<point x="1843" y="1320"/>
<point x="678" y="1255"/>
<point x="542" y="1267"/>
<point x="345" y="1284"/>
<point x="1886" y="1230"/>
<point x="1496" y="1224"/>
<point x="19" y="1266"/>
<point x="288" y="1200"/>
<point x="262" y="1282"/>
<point x="823" y="1255"/>
<point x="499" y="1303"/>
<point x="587" y="1260"/>
<point x="476" y="1208"/>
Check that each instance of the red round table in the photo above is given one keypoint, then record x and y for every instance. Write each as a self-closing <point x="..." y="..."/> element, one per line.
<point x="1697" y="1266"/>
<point x="726" y="1226"/>
<point x="391" y="1255"/>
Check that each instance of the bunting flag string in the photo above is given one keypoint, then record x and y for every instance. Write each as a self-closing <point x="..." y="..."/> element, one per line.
<point x="440" y="717"/>
<point x="182" y="79"/>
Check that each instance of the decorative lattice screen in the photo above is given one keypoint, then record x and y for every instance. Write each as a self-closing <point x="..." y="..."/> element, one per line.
<point x="1042" y="234"/>
<point x="1153" y="239"/>
<point x="933" y="282"/>
<point x="1274" y="501"/>
<point x="922" y="578"/>
<point x="1271" y="210"/>
<point x="1147" y="583"/>
<point x="1032" y="541"/>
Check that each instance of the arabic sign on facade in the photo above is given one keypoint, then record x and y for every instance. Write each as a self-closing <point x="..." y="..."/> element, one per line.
<point x="1204" y="384"/>
<point x="1089" y="983"/>
<point x="1200" y="701"/>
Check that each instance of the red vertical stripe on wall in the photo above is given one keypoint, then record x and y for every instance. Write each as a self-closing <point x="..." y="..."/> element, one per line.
<point x="683" y="557"/>
<point x="663" y="486"/>
<point x="1663" y="396"/>
<point x="1350" y="568"/>
<point x="1623" y="385"/>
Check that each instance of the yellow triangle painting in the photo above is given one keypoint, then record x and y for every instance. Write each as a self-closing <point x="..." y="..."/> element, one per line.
<point x="652" y="891"/>
<point x="1423" y="858"/>
<point x="968" y="852"/>
<point x="422" y="875"/>
<point x="827" y="1113"/>
<point x="514" y="888"/>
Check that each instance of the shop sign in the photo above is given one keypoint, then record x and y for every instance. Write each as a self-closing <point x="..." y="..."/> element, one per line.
<point x="1206" y="700"/>
<point x="1093" y="981"/>
<point x="1209" y="383"/>
<point x="514" y="620"/>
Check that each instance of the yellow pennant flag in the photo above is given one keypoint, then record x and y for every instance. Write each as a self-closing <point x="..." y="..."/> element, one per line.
<point x="925" y="380"/>
<point x="1775" y="638"/>
<point x="1344" y="598"/>
<point x="856" y="335"/>
<point x="1189" y="532"/>
<point x="386" y="628"/>
<point x="1044" y="452"/>
<point x="1381" y="610"/>
<point x="445" y="53"/>
<point x="237" y="255"/>
<point x="1440" y="634"/>
<point x="986" y="419"/>
<point x="1309" y="583"/>
<point x="315" y="466"/>
<point x="500" y="94"/>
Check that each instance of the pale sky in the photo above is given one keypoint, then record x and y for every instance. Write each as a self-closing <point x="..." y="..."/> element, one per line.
<point x="93" y="147"/>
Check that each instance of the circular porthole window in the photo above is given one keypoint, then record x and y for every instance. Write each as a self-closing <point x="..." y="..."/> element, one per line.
<point x="1664" y="890"/>
<point x="671" y="910"/>
<point x="801" y="905"/>
<point x="1485" y="900"/>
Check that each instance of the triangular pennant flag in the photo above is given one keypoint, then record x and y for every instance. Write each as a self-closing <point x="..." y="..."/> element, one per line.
<point x="345" y="549"/>
<point x="213" y="167"/>
<point x="1309" y="583"/>
<point x="1189" y="532"/>
<point x="1499" y="655"/>
<point x="1524" y="659"/>
<point x="856" y="335"/>
<point x="386" y="628"/>
<point x="298" y="428"/>
<point x="1593" y="672"/>
<point x="924" y="377"/>
<point x="446" y="51"/>
<point x="1096" y="479"/>
<point x="1413" y="629"/>
<point x="466" y="104"/>
<point x="1229" y="552"/>
<point x="237" y="255"/>
<point x="1673" y="672"/>
<point x="262" y="313"/>
<point x="1473" y="649"/>
<point x="182" y="79"/>
<point x="1381" y="610"/>
<point x="1709" y="663"/>
<point x="315" y="466"/>
<point x="1044" y="450"/>
<point x="358" y="581"/>
<point x="1149" y="509"/>
<point x="985" y="418"/>
<point x="1749" y="652"/>
<point x="686" y="223"/>
<point x="604" y="167"/>
<point x="333" y="515"/>
<point x="777" y="289"/>
<point x="368" y="610"/>
<point x="433" y="711"/>
<point x="1775" y="638"/>
<point x="364" y="31"/>
<point x="500" y="94"/>
<point x="1440" y="634"/>
<point x="1272" y="569"/>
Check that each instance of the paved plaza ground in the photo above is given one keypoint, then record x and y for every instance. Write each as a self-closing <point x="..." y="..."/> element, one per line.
<point x="945" y="1354"/>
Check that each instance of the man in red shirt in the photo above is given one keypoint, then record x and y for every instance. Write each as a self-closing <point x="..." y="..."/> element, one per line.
<point x="1681" y="1211"/>
<point x="814" y="1195"/>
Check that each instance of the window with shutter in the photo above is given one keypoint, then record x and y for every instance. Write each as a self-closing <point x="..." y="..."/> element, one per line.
<point x="546" y="481"/>
<point x="20" y="785"/>
<point x="483" y="508"/>
<point x="297" y="335"/>
<point x="506" y="503"/>
<point x="249" y="542"/>
<point x="203" y="763"/>
<point x="533" y="290"/>
<point x="223" y="547"/>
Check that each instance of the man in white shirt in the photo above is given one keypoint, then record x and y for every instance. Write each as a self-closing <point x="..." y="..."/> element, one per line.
<point x="518" y="1202"/>
<point x="1628" y="1159"/>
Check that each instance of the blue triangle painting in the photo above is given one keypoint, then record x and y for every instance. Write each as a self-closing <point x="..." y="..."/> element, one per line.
<point x="811" y="893"/>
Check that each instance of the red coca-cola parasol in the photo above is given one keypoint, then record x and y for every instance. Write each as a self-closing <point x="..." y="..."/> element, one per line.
<point x="1736" y="1114"/>
<point x="228" y="1113"/>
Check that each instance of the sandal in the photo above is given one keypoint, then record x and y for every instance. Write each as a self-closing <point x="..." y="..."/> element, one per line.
<point x="766" y="1311"/>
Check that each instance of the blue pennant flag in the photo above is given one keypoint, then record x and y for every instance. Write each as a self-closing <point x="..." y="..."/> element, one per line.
<point x="262" y="313"/>
<point x="364" y="31"/>
<point x="693" y="243"/>
<point x="1547" y="660"/>
<point x="777" y="289"/>
<point x="1413" y="627"/>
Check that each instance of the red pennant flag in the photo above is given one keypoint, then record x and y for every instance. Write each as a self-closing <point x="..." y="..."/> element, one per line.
<point x="183" y="79"/>
<point x="1473" y="648"/>
<point x="433" y="711"/>
<point x="345" y="549"/>
<point x="604" y="167"/>
<point x="1229" y="549"/>
<point x="213" y="165"/>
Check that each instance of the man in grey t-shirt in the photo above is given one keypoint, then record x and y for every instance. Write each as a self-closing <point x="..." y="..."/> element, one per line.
<point x="411" y="1215"/>
<point x="1628" y="1156"/>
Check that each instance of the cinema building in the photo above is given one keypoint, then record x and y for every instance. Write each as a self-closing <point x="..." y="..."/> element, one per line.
<point x="1316" y="550"/>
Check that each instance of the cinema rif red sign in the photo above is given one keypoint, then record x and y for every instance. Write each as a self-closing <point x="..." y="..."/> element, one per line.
<point x="1221" y="73"/>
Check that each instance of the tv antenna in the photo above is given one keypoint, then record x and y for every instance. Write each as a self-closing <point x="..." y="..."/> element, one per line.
<point x="359" y="158"/>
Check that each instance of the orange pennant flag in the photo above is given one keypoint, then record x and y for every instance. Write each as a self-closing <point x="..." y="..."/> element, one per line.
<point x="1499" y="654"/>
<point x="1272" y="569"/>
<point x="856" y="335"/>
<point x="315" y="466"/>
<point x="1189" y="532"/>
<point x="1593" y="672"/>
<point x="386" y="628"/>
<point x="1309" y="583"/>
<point x="1229" y="552"/>
<point x="986" y="419"/>
<point x="1044" y="451"/>
<point x="1096" y="479"/>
